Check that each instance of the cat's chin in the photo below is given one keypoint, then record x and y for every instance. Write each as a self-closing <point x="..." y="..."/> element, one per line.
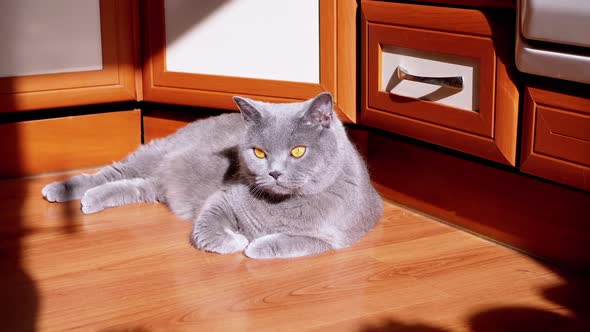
<point x="278" y="190"/>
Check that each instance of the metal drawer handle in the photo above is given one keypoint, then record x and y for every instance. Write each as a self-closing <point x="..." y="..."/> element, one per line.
<point x="453" y="82"/>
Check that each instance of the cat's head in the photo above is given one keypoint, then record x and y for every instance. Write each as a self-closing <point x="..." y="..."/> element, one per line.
<point x="291" y="148"/>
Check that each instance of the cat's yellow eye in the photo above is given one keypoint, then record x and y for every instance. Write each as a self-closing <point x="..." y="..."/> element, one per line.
<point x="298" y="151"/>
<point x="259" y="153"/>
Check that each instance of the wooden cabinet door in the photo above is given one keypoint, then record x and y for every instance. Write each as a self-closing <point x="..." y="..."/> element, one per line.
<point x="202" y="53"/>
<point x="67" y="53"/>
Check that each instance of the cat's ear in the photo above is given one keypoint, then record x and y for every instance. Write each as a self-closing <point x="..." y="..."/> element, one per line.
<point x="320" y="111"/>
<point x="248" y="110"/>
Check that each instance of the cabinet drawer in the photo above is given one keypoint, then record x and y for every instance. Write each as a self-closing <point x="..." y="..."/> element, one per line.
<point x="458" y="77"/>
<point x="68" y="143"/>
<point x="438" y="86"/>
<point x="432" y="54"/>
<point x="556" y="137"/>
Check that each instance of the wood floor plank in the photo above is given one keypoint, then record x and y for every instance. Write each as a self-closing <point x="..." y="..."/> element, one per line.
<point x="133" y="269"/>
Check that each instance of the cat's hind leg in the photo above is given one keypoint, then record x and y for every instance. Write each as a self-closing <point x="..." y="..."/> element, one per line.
<point x="280" y="245"/>
<point x="73" y="188"/>
<point x="139" y="164"/>
<point x="121" y="192"/>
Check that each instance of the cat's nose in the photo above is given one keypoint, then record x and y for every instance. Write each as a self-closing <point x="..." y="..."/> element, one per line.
<point x="275" y="174"/>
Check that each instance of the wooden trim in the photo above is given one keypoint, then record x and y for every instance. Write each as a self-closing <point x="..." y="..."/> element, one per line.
<point x="563" y="135"/>
<point x="239" y="85"/>
<point x="155" y="126"/>
<point x="115" y="82"/>
<point x="541" y="218"/>
<point x="217" y="91"/>
<point x="480" y="122"/>
<point x="447" y="137"/>
<point x="464" y="21"/>
<point x="472" y="3"/>
<point x="555" y="167"/>
<point x="559" y="99"/>
<point x="364" y="72"/>
<point x="68" y="143"/>
<point x="328" y="48"/>
<point x="346" y="58"/>
<point x="137" y="60"/>
<point x="158" y="123"/>
<point x="127" y="47"/>
<point x="528" y="127"/>
<point x="557" y="170"/>
<point x="507" y="95"/>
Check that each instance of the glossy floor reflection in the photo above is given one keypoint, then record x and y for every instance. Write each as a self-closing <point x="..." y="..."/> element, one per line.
<point x="132" y="269"/>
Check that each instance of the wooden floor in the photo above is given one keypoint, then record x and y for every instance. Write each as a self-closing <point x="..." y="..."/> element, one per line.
<point x="132" y="269"/>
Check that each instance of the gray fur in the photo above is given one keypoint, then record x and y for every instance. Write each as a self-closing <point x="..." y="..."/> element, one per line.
<point x="207" y="172"/>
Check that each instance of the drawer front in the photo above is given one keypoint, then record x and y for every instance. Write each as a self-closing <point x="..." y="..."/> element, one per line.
<point x="434" y="55"/>
<point x="68" y="143"/>
<point x="432" y="65"/>
<point x="556" y="137"/>
<point x="563" y="134"/>
<point x="430" y="43"/>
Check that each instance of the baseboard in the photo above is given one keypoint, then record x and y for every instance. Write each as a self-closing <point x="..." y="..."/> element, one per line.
<point x="544" y="219"/>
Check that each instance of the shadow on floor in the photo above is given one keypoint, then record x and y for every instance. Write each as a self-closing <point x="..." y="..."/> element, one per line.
<point x="392" y="325"/>
<point x="573" y="295"/>
<point x="19" y="299"/>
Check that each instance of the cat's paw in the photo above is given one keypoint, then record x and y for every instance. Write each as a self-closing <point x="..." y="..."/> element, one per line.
<point x="91" y="203"/>
<point x="225" y="243"/>
<point x="264" y="247"/>
<point x="57" y="192"/>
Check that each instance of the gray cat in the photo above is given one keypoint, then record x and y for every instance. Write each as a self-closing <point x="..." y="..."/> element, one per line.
<point x="286" y="182"/>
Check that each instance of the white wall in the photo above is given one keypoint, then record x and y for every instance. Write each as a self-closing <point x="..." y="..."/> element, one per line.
<point x="49" y="36"/>
<point x="266" y="39"/>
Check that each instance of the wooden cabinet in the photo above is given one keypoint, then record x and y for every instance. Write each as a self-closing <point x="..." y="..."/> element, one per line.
<point x="106" y="73"/>
<point x="67" y="143"/>
<point x="556" y="137"/>
<point x="67" y="53"/>
<point x="478" y="118"/>
<point x="323" y="32"/>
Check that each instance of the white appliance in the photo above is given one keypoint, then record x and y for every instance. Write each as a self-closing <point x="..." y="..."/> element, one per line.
<point x="553" y="38"/>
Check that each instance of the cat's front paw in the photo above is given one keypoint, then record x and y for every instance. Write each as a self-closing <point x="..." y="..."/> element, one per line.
<point x="91" y="202"/>
<point x="222" y="243"/>
<point x="58" y="192"/>
<point x="264" y="247"/>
